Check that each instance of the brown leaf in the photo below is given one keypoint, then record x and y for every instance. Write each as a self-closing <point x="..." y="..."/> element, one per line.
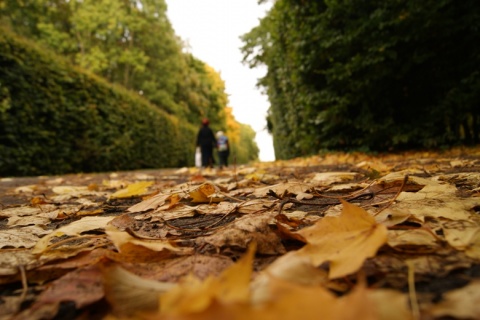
<point x="128" y="293"/>
<point x="194" y="296"/>
<point x="72" y="229"/>
<point x="461" y="303"/>
<point x="82" y="286"/>
<point x="245" y="230"/>
<point x="346" y="241"/>
<point x="150" y="203"/>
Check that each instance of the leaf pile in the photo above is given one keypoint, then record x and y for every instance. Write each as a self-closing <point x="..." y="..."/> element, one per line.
<point x="339" y="236"/>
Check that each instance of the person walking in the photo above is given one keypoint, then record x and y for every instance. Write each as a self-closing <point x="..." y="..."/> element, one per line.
<point x="206" y="141"/>
<point x="223" y="149"/>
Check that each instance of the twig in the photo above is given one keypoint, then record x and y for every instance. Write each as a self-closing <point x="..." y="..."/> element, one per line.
<point x="404" y="183"/>
<point x="412" y="292"/>
<point x="293" y="200"/>
<point x="230" y="197"/>
<point x="62" y="242"/>
<point x="24" y="283"/>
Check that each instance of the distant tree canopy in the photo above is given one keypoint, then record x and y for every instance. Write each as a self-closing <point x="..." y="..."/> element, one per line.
<point x="369" y="75"/>
<point x="130" y="43"/>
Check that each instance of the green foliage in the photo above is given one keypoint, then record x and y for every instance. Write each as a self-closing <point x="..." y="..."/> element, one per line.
<point x="124" y="42"/>
<point x="128" y="43"/>
<point x="203" y="93"/>
<point x="370" y="75"/>
<point x="56" y="119"/>
<point x="246" y="150"/>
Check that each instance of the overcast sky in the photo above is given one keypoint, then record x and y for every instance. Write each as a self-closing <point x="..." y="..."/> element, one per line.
<point x="212" y="29"/>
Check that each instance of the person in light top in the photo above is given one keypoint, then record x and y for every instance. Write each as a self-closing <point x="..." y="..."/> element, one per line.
<point x="223" y="149"/>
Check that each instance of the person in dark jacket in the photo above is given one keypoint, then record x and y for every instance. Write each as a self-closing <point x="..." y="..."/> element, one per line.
<point x="206" y="141"/>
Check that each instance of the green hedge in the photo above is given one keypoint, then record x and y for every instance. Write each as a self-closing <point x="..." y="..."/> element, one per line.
<point x="55" y="118"/>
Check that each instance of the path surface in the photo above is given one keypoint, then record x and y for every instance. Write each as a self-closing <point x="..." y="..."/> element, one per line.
<point x="413" y="228"/>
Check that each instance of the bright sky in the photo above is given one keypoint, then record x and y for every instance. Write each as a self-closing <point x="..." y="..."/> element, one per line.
<point x="212" y="29"/>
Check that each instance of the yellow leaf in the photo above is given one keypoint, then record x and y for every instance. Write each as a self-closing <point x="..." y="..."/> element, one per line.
<point x="346" y="241"/>
<point x="134" y="189"/>
<point x="128" y="293"/>
<point x="473" y="248"/>
<point x="294" y="301"/>
<point x="193" y="296"/>
<point x="121" y="240"/>
<point x="207" y="192"/>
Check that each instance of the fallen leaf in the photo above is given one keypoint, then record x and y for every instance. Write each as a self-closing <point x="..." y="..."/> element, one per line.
<point x="20" y="211"/>
<point x="220" y="208"/>
<point x="255" y="206"/>
<point x="151" y="203"/>
<point x="413" y="239"/>
<point x="390" y="304"/>
<point x="134" y="189"/>
<point x="460" y="303"/>
<point x="206" y="193"/>
<point x="435" y="200"/>
<point x="128" y="293"/>
<point x="346" y="241"/>
<point x="122" y="238"/>
<point x="290" y="187"/>
<point x="473" y="248"/>
<point x="10" y="260"/>
<point x="26" y="237"/>
<point x="194" y="296"/>
<point x="73" y="229"/>
<point x="175" y="268"/>
<point x="328" y="178"/>
<point x="82" y="286"/>
<point x="460" y="233"/>
<point x="179" y="211"/>
<point x="245" y="230"/>
<point x="293" y="301"/>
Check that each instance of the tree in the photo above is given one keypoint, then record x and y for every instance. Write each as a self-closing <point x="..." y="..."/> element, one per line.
<point x="130" y="43"/>
<point x="370" y="75"/>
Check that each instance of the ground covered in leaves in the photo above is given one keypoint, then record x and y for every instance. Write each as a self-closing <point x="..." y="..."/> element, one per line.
<point x="338" y="236"/>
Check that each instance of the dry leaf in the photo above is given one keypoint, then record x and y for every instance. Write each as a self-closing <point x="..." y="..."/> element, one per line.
<point x="206" y="193"/>
<point x="328" y="178"/>
<point x="281" y="188"/>
<point x="473" y="248"/>
<point x="194" y="296"/>
<point x="245" y="230"/>
<point x="20" y="211"/>
<point x="150" y="203"/>
<point x="122" y="238"/>
<point x="390" y="304"/>
<point x="128" y="293"/>
<point x="416" y="237"/>
<point x="346" y="241"/>
<point x="82" y="286"/>
<point x="134" y="189"/>
<point x="435" y="200"/>
<point x="26" y="237"/>
<point x="461" y="303"/>
<point x="73" y="229"/>
<point x="293" y="301"/>
<point x="10" y="260"/>
<point x="460" y="233"/>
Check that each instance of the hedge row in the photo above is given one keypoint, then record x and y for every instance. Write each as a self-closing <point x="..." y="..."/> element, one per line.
<point x="55" y="118"/>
